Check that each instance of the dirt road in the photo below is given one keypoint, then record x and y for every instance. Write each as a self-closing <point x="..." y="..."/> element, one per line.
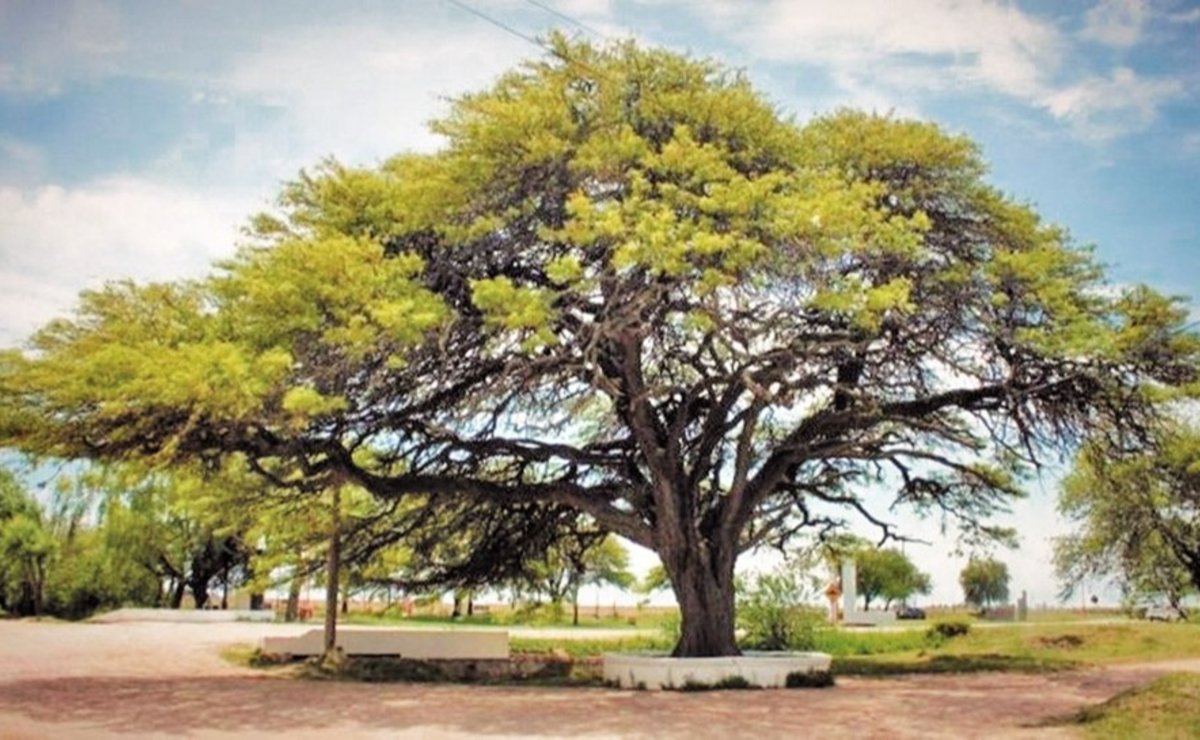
<point x="155" y="679"/>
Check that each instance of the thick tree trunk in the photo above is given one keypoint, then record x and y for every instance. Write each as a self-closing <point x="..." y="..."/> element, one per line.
<point x="200" y="592"/>
<point x="703" y="586"/>
<point x="332" y="567"/>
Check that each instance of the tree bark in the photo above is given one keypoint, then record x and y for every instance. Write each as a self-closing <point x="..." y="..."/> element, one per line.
<point x="332" y="566"/>
<point x="200" y="592"/>
<point x="703" y="585"/>
<point x="178" y="588"/>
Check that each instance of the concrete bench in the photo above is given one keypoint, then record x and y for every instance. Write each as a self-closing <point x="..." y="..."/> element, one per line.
<point x="415" y="644"/>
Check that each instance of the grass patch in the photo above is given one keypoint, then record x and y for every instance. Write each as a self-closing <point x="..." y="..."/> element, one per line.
<point x="249" y="656"/>
<point x="1030" y="649"/>
<point x="905" y="664"/>
<point x="1166" y="708"/>
<point x="864" y="642"/>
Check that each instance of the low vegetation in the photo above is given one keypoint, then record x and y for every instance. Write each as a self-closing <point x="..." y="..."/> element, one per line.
<point x="1166" y="708"/>
<point x="1037" y="648"/>
<point x="943" y="647"/>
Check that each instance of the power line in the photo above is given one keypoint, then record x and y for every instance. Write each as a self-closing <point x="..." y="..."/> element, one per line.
<point x="526" y="37"/>
<point x="563" y="16"/>
<point x="499" y="24"/>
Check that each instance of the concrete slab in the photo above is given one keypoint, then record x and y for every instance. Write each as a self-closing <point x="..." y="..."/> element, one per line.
<point x="456" y="644"/>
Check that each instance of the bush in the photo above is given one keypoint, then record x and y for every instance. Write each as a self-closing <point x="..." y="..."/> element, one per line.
<point x="726" y="683"/>
<point x="947" y="630"/>
<point x="772" y="616"/>
<point x="809" y="680"/>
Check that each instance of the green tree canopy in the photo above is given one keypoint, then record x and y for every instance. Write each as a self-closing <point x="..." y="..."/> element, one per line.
<point x="888" y="574"/>
<point x="1137" y="513"/>
<point x="984" y="582"/>
<point x="627" y="287"/>
<point x="27" y="548"/>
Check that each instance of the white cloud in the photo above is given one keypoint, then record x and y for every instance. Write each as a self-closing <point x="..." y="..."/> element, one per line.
<point x="1106" y="107"/>
<point x="585" y="9"/>
<point x="1186" y="16"/>
<point x="56" y="41"/>
<point x="362" y="92"/>
<point x="950" y="42"/>
<point x="1115" y="22"/>
<point x="890" y="54"/>
<point x="56" y="241"/>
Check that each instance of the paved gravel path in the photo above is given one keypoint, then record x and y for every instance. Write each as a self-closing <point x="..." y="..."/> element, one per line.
<point x="157" y="679"/>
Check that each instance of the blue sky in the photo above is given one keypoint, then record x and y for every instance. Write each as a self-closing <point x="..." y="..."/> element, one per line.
<point x="136" y="137"/>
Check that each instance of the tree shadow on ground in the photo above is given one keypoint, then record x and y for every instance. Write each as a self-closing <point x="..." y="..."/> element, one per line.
<point x="140" y="706"/>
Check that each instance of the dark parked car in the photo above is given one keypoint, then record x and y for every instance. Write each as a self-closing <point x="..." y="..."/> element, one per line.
<point x="910" y="612"/>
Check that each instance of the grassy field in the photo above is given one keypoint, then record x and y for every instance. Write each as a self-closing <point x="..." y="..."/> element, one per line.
<point x="1032" y="648"/>
<point x="1166" y="708"/>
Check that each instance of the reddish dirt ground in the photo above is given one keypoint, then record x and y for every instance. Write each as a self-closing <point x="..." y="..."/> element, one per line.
<point x="155" y="679"/>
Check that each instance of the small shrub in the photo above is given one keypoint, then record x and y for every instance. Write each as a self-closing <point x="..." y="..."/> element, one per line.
<point x="772" y="615"/>
<point x="259" y="659"/>
<point x="734" y="682"/>
<point x="671" y="628"/>
<point x="809" y="680"/>
<point x="726" y="683"/>
<point x="948" y="630"/>
<point x="374" y="670"/>
<point x="1061" y="641"/>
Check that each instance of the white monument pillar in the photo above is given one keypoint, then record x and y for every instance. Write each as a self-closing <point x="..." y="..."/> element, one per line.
<point x="849" y="588"/>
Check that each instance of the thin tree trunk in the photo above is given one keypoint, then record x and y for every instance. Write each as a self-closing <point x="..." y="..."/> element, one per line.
<point x="332" y="566"/>
<point x="39" y="579"/>
<point x="178" y="588"/>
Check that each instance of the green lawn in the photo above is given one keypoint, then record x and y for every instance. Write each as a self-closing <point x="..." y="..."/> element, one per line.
<point x="1031" y="648"/>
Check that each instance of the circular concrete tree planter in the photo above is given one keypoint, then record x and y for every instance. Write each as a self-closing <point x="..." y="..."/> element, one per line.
<point x="766" y="670"/>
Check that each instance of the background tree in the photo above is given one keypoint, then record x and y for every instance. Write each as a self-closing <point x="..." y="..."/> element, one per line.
<point x="576" y="560"/>
<point x="668" y="310"/>
<point x="1137" y="513"/>
<point x="984" y="582"/>
<point x="888" y="574"/>
<point x="27" y="549"/>
<point x="59" y="559"/>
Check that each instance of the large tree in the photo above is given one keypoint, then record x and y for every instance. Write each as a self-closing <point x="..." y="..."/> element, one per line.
<point x="627" y="287"/>
<point x="1137" y="510"/>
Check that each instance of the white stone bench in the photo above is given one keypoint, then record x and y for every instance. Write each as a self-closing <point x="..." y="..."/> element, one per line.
<point x="406" y="643"/>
